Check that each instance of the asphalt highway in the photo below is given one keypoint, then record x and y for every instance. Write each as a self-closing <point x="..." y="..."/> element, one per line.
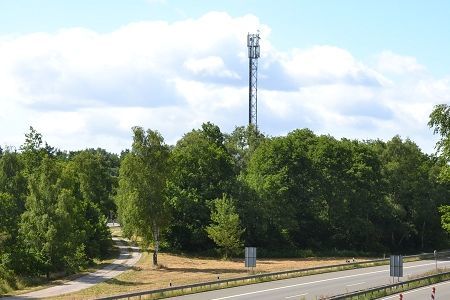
<point x="317" y="286"/>
<point x="442" y="292"/>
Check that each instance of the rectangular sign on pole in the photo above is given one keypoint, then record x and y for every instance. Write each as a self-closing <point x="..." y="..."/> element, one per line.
<point x="250" y="257"/>
<point x="396" y="266"/>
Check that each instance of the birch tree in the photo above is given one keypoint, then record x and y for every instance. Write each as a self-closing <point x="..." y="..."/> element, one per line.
<point x="141" y="193"/>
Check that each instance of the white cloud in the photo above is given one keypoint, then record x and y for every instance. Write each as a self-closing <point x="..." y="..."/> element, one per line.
<point x="83" y="89"/>
<point x="398" y="64"/>
<point x="327" y="64"/>
<point x="209" y="66"/>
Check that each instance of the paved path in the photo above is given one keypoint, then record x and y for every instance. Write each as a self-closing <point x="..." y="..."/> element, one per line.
<point x="126" y="260"/>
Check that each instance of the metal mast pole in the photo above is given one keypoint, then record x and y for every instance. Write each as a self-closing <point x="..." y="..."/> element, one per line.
<point x="253" y="55"/>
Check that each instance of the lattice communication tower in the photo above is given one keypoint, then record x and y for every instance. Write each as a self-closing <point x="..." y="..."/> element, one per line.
<point x="253" y="55"/>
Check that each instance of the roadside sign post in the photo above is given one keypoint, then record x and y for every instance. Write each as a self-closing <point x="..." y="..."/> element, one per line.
<point x="250" y="257"/>
<point x="435" y="260"/>
<point x="396" y="266"/>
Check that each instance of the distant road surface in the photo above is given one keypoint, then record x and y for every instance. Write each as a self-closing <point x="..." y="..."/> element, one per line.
<point x="316" y="286"/>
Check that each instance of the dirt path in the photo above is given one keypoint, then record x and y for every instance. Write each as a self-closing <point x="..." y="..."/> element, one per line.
<point x="129" y="256"/>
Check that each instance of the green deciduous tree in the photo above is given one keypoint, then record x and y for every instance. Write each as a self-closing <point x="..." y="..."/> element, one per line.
<point x="284" y="177"/>
<point x="411" y="218"/>
<point x="87" y="178"/>
<point x="33" y="150"/>
<point x="445" y="217"/>
<point x="349" y="176"/>
<point x="225" y="229"/>
<point x="95" y="178"/>
<point x="49" y="227"/>
<point x="13" y="191"/>
<point x="202" y="171"/>
<point x="141" y="199"/>
<point x="440" y="121"/>
<point x="242" y="143"/>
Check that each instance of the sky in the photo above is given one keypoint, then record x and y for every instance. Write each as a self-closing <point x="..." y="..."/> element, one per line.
<point x="84" y="72"/>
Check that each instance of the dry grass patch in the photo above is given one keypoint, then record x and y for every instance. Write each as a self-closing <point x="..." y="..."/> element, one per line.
<point x="180" y="270"/>
<point x="116" y="231"/>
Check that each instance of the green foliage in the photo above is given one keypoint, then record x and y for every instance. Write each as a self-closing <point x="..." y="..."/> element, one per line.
<point x="33" y="150"/>
<point x="52" y="215"/>
<point x="440" y="121"/>
<point x="13" y="191"/>
<point x="87" y="176"/>
<point x="141" y="197"/>
<point x="445" y="217"/>
<point x="95" y="179"/>
<point x="49" y="224"/>
<point x="285" y="181"/>
<point x="305" y="193"/>
<point x="202" y="170"/>
<point x="225" y="229"/>
<point x="409" y="192"/>
<point x="242" y="143"/>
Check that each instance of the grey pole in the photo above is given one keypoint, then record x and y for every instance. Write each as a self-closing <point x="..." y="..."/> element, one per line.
<point x="435" y="260"/>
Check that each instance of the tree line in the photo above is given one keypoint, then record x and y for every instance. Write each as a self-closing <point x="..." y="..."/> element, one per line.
<point x="53" y="208"/>
<point x="298" y="194"/>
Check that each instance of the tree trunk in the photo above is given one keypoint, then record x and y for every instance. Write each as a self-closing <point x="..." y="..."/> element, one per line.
<point x="155" y="258"/>
<point x="156" y="249"/>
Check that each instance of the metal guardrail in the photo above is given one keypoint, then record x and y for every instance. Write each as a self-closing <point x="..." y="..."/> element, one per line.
<point x="394" y="288"/>
<point x="190" y="288"/>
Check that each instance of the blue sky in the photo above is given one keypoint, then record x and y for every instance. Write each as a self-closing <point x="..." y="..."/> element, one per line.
<point x="83" y="72"/>
<point x="417" y="28"/>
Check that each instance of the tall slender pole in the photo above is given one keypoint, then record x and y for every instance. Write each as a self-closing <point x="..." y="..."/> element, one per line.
<point x="435" y="260"/>
<point x="253" y="55"/>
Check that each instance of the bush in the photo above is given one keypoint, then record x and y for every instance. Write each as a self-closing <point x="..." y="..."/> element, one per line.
<point x="7" y="280"/>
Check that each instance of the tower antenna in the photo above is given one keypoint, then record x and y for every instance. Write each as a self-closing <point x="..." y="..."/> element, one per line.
<point x="253" y="55"/>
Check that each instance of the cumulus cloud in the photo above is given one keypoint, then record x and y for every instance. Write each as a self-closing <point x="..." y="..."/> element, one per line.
<point x="398" y="64"/>
<point x="81" y="88"/>
<point x="210" y="66"/>
<point x="329" y="65"/>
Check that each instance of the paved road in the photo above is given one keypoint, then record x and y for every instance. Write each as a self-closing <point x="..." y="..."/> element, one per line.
<point x="316" y="286"/>
<point x="125" y="260"/>
<point x="442" y="293"/>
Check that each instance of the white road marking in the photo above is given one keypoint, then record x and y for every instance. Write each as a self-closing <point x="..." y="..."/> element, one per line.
<point x="296" y="296"/>
<point x="356" y="283"/>
<point x="313" y="282"/>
